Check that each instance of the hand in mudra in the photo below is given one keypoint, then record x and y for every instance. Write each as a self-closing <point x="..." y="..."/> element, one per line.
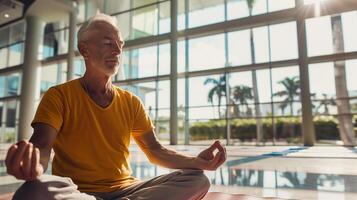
<point x="209" y="160"/>
<point x="23" y="161"/>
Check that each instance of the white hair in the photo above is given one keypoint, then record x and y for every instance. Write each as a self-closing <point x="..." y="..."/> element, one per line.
<point x="99" y="17"/>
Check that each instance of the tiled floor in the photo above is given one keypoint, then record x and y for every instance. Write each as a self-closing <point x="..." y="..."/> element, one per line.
<point x="271" y="171"/>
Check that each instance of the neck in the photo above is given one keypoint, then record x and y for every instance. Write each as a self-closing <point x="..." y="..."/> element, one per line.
<point x="97" y="84"/>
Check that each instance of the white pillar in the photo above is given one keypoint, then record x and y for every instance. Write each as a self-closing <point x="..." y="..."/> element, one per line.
<point x="34" y="36"/>
<point x="71" y="42"/>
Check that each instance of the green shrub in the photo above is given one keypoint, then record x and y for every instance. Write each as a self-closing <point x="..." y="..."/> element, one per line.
<point x="9" y="137"/>
<point x="245" y="129"/>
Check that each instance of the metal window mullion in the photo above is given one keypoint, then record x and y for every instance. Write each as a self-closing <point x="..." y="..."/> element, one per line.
<point x="307" y="118"/>
<point x="8" y="49"/>
<point x="187" y="8"/>
<point x="271" y="88"/>
<point x="173" y="77"/>
<point x="4" y="119"/>
<point x="187" y="92"/>
<point x="157" y="89"/>
<point x="228" y="116"/>
<point x="187" y="82"/>
<point x="158" y="19"/>
<point x="131" y="22"/>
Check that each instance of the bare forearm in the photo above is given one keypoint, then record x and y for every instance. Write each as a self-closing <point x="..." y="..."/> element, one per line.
<point x="170" y="158"/>
<point x="45" y="152"/>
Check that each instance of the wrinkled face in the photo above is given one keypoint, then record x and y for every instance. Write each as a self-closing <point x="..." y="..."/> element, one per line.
<point x="102" y="48"/>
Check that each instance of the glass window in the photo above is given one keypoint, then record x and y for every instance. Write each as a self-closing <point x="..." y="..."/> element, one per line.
<point x="319" y="36"/>
<point x="9" y="121"/>
<point x="146" y="92"/>
<point x="240" y="9"/>
<point x="4" y="37"/>
<point x="181" y="16"/>
<point x="10" y="85"/>
<point x="286" y="90"/>
<point x="181" y="56"/>
<point x="81" y="11"/>
<point x="261" y="44"/>
<point x="349" y="27"/>
<point x="275" y="5"/>
<point x="145" y="22"/>
<point x="237" y="9"/>
<point x="164" y="18"/>
<point x="322" y="86"/>
<point x="181" y="92"/>
<point x="323" y="90"/>
<point x="52" y="75"/>
<point x="351" y="71"/>
<point x="55" y="43"/>
<point x="239" y="50"/>
<point x="16" y="54"/>
<point x="205" y="12"/>
<point x="137" y="3"/>
<point x="212" y="93"/>
<point x="264" y="85"/>
<point x="206" y="52"/>
<point x="164" y="59"/>
<point x="143" y="62"/>
<point x="124" y="25"/>
<point x="115" y="6"/>
<point x="3" y="56"/>
<point x="283" y="41"/>
<point x="17" y="32"/>
<point x="241" y="94"/>
<point x="124" y="68"/>
<point x="79" y="67"/>
<point x="163" y="90"/>
<point x="259" y="7"/>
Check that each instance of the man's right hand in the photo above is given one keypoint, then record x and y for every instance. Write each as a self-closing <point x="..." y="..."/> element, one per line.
<point x="23" y="161"/>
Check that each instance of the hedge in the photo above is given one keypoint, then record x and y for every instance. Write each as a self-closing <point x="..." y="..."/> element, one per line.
<point x="245" y="129"/>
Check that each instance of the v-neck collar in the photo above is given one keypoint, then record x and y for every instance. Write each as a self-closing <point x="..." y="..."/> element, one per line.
<point x="92" y="101"/>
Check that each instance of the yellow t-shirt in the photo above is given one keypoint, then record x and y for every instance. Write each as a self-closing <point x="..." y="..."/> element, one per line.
<point x="92" y="143"/>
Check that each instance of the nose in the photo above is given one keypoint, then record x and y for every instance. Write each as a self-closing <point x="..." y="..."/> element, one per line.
<point x="116" y="49"/>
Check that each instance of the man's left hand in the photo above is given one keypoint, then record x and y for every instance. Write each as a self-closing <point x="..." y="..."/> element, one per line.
<point x="208" y="160"/>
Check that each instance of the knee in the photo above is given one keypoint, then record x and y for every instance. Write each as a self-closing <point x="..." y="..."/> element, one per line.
<point x="39" y="189"/>
<point x="203" y="182"/>
<point x="34" y="189"/>
<point x="199" y="180"/>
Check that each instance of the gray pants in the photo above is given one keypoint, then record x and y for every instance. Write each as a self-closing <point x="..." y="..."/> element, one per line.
<point x="178" y="185"/>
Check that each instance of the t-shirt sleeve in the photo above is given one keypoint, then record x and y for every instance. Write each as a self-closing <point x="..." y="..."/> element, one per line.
<point x="50" y="110"/>
<point x="142" y="123"/>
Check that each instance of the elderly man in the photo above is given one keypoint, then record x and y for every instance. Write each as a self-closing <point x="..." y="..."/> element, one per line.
<point x="89" y="122"/>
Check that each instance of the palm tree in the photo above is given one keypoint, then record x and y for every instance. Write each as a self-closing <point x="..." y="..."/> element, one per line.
<point x="343" y="106"/>
<point x="292" y="90"/>
<point x="250" y="4"/>
<point x="283" y="105"/>
<point x="241" y="95"/>
<point x="218" y="89"/>
<point x="325" y="102"/>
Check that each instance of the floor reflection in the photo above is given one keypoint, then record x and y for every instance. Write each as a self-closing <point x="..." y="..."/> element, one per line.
<point x="233" y="176"/>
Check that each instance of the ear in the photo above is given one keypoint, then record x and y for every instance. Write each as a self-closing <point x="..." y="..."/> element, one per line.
<point x="82" y="47"/>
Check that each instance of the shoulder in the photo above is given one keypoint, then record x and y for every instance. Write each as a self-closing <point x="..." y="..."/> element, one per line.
<point x="122" y="93"/>
<point x="69" y="85"/>
<point x="62" y="91"/>
<point x="63" y="88"/>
